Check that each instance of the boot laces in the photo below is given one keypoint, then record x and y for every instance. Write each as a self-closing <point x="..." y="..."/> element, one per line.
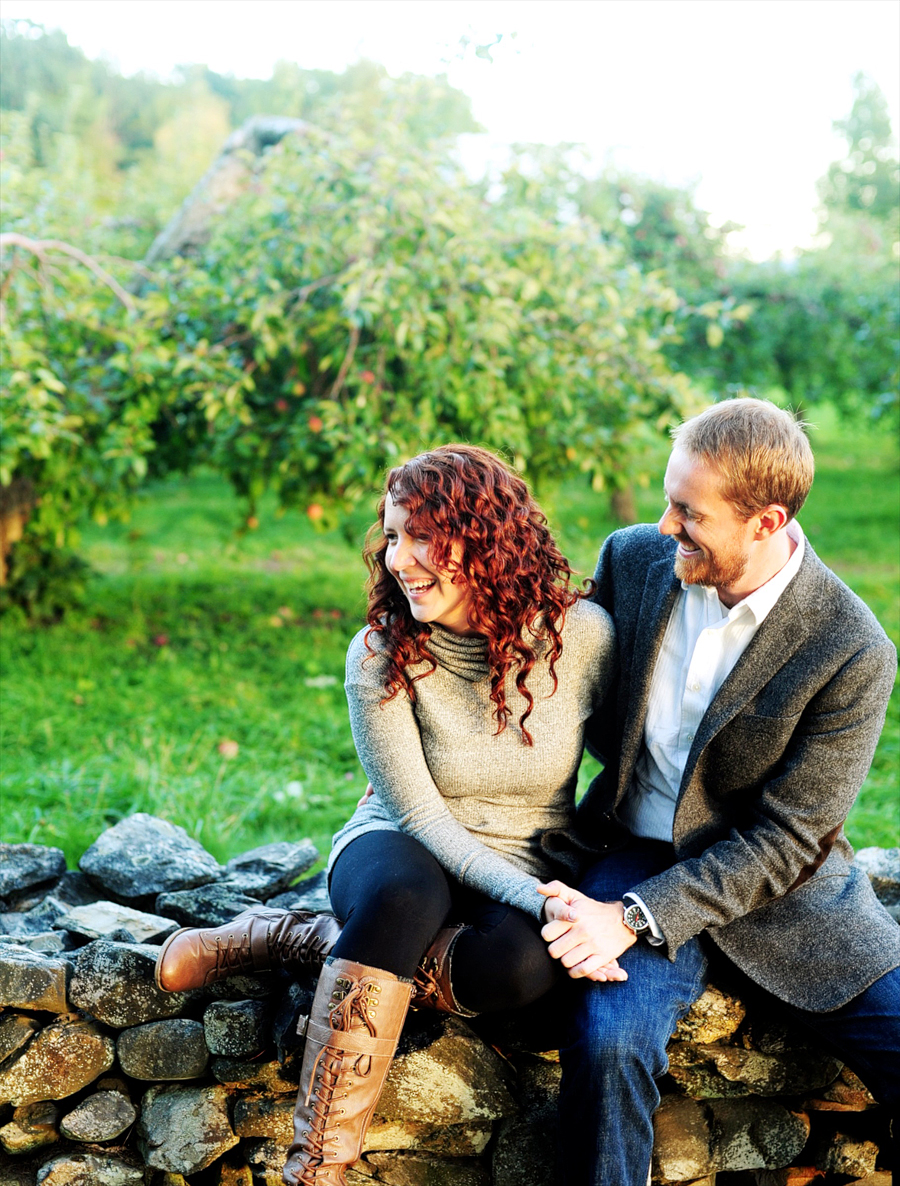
<point x="351" y="1012"/>
<point x="345" y="1016"/>
<point x="235" y="955"/>
<point x="300" y="944"/>
<point x="425" y="984"/>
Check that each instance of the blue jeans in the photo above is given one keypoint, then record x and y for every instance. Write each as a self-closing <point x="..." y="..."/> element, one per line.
<point x="616" y="1048"/>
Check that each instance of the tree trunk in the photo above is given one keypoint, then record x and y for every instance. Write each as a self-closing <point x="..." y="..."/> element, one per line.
<point x="16" y="504"/>
<point x="623" y="506"/>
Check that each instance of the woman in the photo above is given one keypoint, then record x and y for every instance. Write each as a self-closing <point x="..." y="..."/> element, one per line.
<point x="468" y="691"/>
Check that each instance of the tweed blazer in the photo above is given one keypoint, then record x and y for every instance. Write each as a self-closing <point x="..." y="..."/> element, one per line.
<point x="763" y="868"/>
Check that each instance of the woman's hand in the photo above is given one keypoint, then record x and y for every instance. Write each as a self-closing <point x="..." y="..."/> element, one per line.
<point x="366" y="795"/>
<point x="586" y="936"/>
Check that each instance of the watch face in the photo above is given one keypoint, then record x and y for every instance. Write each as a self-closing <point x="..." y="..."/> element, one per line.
<point x="636" y="919"/>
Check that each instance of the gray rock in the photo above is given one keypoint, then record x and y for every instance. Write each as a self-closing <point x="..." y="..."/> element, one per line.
<point x="842" y="1153"/>
<point x="847" y="1093"/>
<point x="100" y="920"/>
<point x="23" y="866"/>
<point x="446" y="1140"/>
<point x="266" y="1159"/>
<point x="755" y="1134"/>
<point x="19" y="926"/>
<point x="265" y="1116"/>
<point x="257" y="986"/>
<point x="237" y="1029"/>
<point x="16" y="1031"/>
<point x="29" y="980"/>
<point x="452" y="1080"/>
<point x="311" y="894"/>
<point x="63" y="1058"/>
<point x="44" y="942"/>
<point x="143" y="855"/>
<point x="710" y="1071"/>
<point x="114" y="983"/>
<point x="424" y="1169"/>
<point x="17" y="1173"/>
<point x="682" y="1142"/>
<point x="207" y="906"/>
<point x="74" y="889"/>
<point x="32" y="1127"/>
<point x="882" y="867"/>
<point x="86" y="1169"/>
<point x="264" y="1077"/>
<point x="46" y="912"/>
<point x="524" y="1151"/>
<point x="230" y="1170"/>
<point x="184" y="1129"/>
<point x="525" y="1147"/>
<point x="270" y="869"/>
<point x="714" y="1017"/>
<point x="103" y="1116"/>
<point x="167" y="1050"/>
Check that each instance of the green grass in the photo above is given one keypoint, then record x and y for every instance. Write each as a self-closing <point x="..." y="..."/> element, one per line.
<point x="196" y="636"/>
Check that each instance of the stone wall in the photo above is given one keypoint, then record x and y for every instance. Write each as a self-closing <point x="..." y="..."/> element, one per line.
<point x="105" y="1081"/>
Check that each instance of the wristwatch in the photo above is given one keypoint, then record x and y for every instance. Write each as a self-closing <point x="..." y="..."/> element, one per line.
<point x="636" y="920"/>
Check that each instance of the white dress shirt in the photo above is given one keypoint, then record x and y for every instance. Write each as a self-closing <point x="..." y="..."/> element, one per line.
<point x="703" y="642"/>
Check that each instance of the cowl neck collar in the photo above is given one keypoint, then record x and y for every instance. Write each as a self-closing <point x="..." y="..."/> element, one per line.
<point x="463" y="655"/>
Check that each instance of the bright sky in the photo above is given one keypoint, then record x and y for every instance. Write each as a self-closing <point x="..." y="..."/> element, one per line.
<point x="737" y="96"/>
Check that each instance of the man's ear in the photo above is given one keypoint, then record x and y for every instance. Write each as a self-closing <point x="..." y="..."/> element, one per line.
<point x="771" y="519"/>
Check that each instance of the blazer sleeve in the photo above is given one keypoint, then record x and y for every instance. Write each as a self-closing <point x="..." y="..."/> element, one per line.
<point x="389" y="746"/>
<point x="785" y="832"/>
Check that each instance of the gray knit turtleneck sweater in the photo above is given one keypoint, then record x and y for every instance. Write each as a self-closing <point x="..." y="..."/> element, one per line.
<point x="478" y="801"/>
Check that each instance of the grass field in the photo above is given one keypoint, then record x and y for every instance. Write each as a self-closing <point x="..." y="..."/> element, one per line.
<point x="204" y="682"/>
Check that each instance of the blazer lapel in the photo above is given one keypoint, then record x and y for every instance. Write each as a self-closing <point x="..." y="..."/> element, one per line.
<point x="783" y="631"/>
<point x="660" y="590"/>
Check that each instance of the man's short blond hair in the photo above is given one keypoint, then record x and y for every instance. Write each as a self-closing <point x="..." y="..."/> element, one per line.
<point x="760" y="450"/>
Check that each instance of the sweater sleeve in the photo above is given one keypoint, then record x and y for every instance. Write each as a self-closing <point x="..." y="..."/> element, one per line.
<point x="389" y="746"/>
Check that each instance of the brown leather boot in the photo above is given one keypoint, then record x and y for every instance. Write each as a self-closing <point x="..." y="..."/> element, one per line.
<point x="431" y="984"/>
<point x="354" y="1024"/>
<point x="258" y="939"/>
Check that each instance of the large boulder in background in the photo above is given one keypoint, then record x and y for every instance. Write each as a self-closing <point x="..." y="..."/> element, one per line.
<point x="143" y="856"/>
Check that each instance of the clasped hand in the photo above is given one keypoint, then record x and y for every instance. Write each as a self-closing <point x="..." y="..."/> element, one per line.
<point x="586" y="936"/>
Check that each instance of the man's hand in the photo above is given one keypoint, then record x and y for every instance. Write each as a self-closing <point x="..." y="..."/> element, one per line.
<point x="586" y="936"/>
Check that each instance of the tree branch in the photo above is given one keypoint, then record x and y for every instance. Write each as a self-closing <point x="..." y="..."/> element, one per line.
<point x="347" y="363"/>
<point x="39" y="248"/>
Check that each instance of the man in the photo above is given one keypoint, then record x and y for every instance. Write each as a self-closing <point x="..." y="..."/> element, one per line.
<point x="752" y="689"/>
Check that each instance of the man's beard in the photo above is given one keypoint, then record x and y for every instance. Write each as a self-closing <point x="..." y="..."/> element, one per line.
<point x="718" y="572"/>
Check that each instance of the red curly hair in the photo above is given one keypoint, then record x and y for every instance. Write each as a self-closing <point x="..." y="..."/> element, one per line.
<point x="481" y="522"/>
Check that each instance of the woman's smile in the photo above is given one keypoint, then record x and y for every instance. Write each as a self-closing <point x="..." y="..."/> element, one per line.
<point x="435" y="594"/>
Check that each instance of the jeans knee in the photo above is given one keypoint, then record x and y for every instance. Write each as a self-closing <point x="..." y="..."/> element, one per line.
<point x="607" y="1032"/>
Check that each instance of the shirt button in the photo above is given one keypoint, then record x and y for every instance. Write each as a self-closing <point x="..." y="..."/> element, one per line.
<point x="695" y="687"/>
<point x="690" y="736"/>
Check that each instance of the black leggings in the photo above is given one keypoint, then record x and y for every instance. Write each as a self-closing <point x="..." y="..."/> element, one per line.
<point x="393" y="897"/>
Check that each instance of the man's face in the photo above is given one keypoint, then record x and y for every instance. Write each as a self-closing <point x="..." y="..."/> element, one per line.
<point x="713" y="539"/>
